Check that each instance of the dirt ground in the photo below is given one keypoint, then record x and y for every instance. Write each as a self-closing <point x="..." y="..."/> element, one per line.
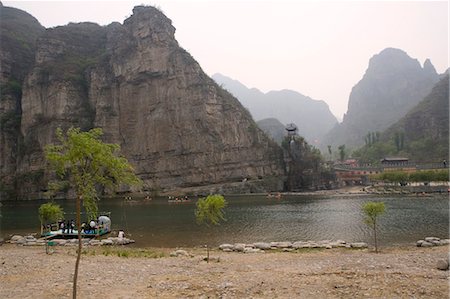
<point x="28" y="272"/>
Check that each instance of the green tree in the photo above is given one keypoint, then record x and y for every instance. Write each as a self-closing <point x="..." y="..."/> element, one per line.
<point x="49" y="213"/>
<point x="330" y="152"/>
<point x="85" y="162"/>
<point x="372" y="211"/>
<point x="210" y="212"/>
<point x="342" y="153"/>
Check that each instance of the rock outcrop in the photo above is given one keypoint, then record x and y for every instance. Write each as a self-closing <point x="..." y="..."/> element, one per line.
<point x="273" y="128"/>
<point x="174" y="124"/>
<point x="392" y="85"/>
<point x="19" y="32"/>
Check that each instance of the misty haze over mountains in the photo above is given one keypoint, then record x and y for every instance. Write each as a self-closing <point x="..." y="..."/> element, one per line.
<point x="393" y="84"/>
<point x="312" y="117"/>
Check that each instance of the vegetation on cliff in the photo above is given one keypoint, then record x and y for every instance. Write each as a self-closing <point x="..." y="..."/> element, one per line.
<point x="421" y="135"/>
<point x="391" y="86"/>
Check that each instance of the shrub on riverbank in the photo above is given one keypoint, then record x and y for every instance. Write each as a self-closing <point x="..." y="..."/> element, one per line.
<point x="403" y="177"/>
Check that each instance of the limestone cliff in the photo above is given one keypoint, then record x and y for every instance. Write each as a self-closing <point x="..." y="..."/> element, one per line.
<point x="392" y="85"/>
<point x="175" y="124"/>
<point x="19" y="32"/>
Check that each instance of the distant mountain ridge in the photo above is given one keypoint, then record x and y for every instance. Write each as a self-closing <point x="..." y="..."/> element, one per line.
<point x="312" y="117"/>
<point x="392" y="85"/>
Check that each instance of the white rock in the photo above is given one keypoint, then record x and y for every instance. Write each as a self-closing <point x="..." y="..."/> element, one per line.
<point x="430" y="239"/>
<point x="239" y="247"/>
<point x="426" y="244"/>
<point x="442" y="264"/>
<point x="226" y="246"/>
<point x="30" y="238"/>
<point x="262" y="245"/>
<point x="252" y="250"/>
<point x="107" y="242"/>
<point x="281" y="244"/>
<point x="300" y="244"/>
<point x="94" y="242"/>
<point x="181" y="252"/>
<point x="358" y="245"/>
<point x="16" y="237"/>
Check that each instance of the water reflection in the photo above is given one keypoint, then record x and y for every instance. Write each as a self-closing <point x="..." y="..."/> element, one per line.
<point x="256" y="218"/>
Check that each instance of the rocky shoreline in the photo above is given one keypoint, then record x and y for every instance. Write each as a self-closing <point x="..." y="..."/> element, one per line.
<point x="288" y="246"/>
<point x="30" y="240"/>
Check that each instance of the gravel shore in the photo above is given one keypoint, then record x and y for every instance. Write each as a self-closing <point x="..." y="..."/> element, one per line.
<point x="28" y="272"/>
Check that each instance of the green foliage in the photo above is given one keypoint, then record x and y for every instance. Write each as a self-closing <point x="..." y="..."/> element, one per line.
<point x="210" y="209"/>
<point x="372" y="211"/>
<point x="373" y="153"/>
<point x="50" y="212"/>
<point x="429" y="176"/>
<point x="417" y="176"/>
<point x="342" y="152"/>
<point x="12" y="87"/>
<point x="129" y="252"/>
<point x="86" y="162"/>
<point x="306" y="170"/>
<point x="399" y="139"/>
<point x="10" y="122"/>
<point x="371" y="138"/>
<point x="394" y="176"/>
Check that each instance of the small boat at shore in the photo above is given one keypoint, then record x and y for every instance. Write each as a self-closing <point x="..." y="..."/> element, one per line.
<point x="178" y="199"/>
<point x="94" y="229"/>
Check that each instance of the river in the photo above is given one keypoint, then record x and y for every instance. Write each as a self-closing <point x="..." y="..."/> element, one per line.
<point x="253" y="218"/>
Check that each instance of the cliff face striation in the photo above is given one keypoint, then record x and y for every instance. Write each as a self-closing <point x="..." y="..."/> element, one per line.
<point x="19" y="32"/>
<point x="175" y="124"/>
<point x="392" y="85"/>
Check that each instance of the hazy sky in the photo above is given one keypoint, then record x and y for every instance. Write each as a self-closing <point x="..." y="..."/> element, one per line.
<point x="318" y="48"/>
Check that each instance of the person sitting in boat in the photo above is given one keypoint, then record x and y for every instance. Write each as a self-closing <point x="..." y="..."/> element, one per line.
<point x="72" y="226"/>
<point x="121" y="234"/>
<point x="68" y="226"/>
<point x="92" y="225"/>
<point x="83" y="227"/>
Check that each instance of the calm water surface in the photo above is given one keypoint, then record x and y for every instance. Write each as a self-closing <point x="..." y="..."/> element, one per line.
<point x="256" y="218"/>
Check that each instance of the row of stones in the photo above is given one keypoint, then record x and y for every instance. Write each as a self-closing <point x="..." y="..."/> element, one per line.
<point x="32" y="241"/>
<point x="288" y="246"/>
<point x="432" y="241"/>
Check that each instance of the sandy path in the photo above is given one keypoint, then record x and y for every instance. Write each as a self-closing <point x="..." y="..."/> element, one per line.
<point x="27" y="272"/>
